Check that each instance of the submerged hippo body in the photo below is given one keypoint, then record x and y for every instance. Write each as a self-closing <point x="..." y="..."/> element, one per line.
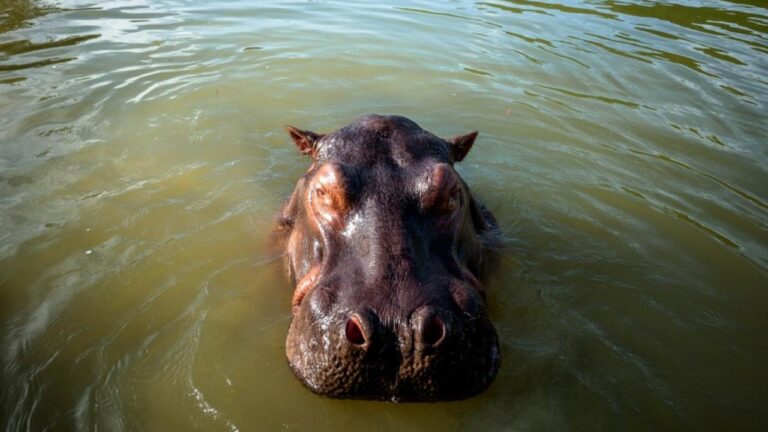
<point x="385" y="243"/>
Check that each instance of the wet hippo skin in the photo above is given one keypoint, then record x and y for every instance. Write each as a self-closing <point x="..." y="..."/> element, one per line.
<point x="385" y="244"/>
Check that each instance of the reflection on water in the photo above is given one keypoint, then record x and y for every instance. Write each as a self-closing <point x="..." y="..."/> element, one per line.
<point x="142" y="159"/>
<point x="18" y="13"/>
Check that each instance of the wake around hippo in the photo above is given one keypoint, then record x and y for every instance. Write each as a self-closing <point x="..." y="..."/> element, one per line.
<point x="385" y="244"/>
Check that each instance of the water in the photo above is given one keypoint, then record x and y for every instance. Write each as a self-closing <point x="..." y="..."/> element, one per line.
<point x="142" y="160"/>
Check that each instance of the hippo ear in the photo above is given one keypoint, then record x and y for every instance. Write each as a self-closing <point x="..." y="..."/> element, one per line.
<point x="305" y="140"/>
<point x="461" y="144"/>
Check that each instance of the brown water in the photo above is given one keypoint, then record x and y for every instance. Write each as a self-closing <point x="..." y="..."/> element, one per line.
<point x="623" y="148"/>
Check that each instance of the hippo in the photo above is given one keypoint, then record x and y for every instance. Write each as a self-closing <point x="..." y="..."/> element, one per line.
<point x="385" y="246"/>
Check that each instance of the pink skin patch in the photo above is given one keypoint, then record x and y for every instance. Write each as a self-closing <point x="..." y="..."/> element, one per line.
<point x="303" y="287"/>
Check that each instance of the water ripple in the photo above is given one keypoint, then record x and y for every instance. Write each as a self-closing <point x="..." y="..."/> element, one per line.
<point x="142" y="159"/>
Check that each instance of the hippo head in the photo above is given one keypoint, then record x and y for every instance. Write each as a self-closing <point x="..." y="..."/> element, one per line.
<point x="384" y="243"/>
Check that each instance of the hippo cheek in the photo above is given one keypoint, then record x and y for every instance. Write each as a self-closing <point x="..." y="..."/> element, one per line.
<point x="469" y="366"/>
<point x="478" y="348"/>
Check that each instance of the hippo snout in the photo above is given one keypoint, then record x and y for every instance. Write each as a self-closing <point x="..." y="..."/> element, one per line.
<point x="429" y="353"/>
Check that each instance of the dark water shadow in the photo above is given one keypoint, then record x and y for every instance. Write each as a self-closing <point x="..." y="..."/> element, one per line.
<point x="15" y="14"/>
<point x="19" y="52"/>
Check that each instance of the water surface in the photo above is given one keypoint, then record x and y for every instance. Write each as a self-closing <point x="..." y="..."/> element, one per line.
<point x="142" y="160"/>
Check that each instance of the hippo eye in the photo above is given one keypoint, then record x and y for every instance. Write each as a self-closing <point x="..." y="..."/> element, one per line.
<point x="328" y="195"/>
<point x="454" y="199"/>
<point x="322" y="195"/>
<point x="451" y="201"/>
<point x="443" y="195"/>
<point x="327" y="199"/>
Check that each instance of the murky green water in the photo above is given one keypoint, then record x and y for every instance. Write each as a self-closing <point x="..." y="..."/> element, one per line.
<point x="142" y="158"/>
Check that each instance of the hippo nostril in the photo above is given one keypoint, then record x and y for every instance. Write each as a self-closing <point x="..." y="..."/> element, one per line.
<point x="433" y="330"/>
<point x="354" y="331"/>
<point x="430" y="330"/>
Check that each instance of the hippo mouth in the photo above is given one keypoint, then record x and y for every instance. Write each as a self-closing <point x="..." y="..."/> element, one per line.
<point x="385" y="244"/>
